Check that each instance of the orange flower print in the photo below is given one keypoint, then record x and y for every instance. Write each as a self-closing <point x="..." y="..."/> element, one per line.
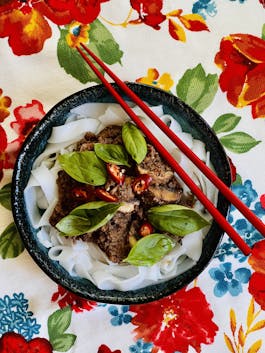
<point x="26" y="30"/>
<point x="25" y="22"/>
<point x="5" y="103"/>
<point x="153" y="78"/>
<point x="77" y="34"/>
<point x="242" y="60"/>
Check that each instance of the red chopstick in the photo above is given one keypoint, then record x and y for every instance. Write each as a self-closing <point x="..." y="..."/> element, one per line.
<point x="219" y="218"/>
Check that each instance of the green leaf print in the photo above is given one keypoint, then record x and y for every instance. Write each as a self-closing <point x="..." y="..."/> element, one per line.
<point x="11" y="244"/>
<point x="58" y="323"/>
<point x="107" y="48"/>
<point x="239" y="142"/>
<point x="72" y="62"/>
<point x="5" y="196"/>
<point x="226" y="123"/>
<point x="197" y="89"/>
<point x="263" y="32"/>
<point x="64" y="342"/>
<point x="101" y="42"/>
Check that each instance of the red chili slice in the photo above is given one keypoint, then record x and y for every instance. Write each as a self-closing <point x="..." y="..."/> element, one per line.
<point x="81" y="194"/>
<point x="116" y="173"/>
<point x="141" y="183"/>
<point x="146" y="229"/>
<point x="105" y="195"/>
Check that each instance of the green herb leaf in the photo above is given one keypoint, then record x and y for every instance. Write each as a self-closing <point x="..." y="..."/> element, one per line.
<point x="5" y="196"/>
<point x="11" y="244"/>
<point x="87" y="217"/>
<point x="134" y="142"/>
<point x="176" y="219"/>
<point x="197" y="89"/>
<point x="84" y="167"/>
<point x="226" y="123"/>
<point x="111" y="153"/>
<point x="239" y="142"/>
<point x="150" y="249"/>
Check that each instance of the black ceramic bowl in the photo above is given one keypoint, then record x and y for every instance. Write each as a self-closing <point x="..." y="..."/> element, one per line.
<point x="190" y="121"/>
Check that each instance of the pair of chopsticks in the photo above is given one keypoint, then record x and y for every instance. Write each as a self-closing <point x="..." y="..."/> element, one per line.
<point x="224" y="189"/>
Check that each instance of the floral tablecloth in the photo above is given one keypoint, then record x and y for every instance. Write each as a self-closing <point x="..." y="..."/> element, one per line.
<point x="211" y="54"/>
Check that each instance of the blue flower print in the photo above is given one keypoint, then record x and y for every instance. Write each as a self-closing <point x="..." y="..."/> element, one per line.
<point x="227" y="281"/>
<point x="259" y="210"/>
<point x="245" y="192"/>
<point x="141" y="347"/>
<point x="120" y="315"/>
<point x="204" y="8"/>
<point x="14" y="316"/>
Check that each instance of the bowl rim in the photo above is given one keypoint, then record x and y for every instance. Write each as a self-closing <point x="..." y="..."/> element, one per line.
<point x="83" y="287"/>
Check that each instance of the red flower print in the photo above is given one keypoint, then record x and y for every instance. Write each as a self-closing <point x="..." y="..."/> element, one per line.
<point x="257" y="257"/>
<point x="105" y="349"/>
<point x="242" y="60"/>
<point x="232" y="169"/>
<point x="5" y="103"/>
<point x="172" y="323"/>
<point x="149" y="12"/>
<point x="26" y="26"/>
<point x="262" y="3"/>
<point x="84" y="11"/>
<point x="262" y="201"/>
<point x="12" y="342"/>
<point x="256" y="284"/>
<point x="26" y="118"/>
<point x="66" y="298"/>
<point x="3" y="144"/>
<point x="256" y="287"/>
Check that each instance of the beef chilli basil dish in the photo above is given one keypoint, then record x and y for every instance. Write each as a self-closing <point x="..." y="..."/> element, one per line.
<point x="110" y="208"/>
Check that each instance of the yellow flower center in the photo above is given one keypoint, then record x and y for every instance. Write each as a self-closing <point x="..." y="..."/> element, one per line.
<point x="168" y="316"/>
<point x="78" y="33"/>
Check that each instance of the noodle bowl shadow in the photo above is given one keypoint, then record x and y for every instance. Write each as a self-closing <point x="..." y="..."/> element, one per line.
<point x="35" y="143"/>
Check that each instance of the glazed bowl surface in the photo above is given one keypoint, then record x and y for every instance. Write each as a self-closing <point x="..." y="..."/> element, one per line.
<point x="36" y="142"/>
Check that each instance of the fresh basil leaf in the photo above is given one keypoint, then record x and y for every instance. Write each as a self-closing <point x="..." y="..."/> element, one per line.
<point x="87" y="217"/>
<point x="84" y="167"/>
<point x="176" y="219"/>
<point x="150" y="249"/>
<point x="111" y="153"/>
<point x="134" y="142"/>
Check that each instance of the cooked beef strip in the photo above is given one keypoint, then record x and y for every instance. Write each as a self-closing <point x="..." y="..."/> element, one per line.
<point x="155" y="166"/>
<point x="87" y="143"/>
<point x="112" y="238"/>
<point x="111" y="134"/>
<point x="67" y="198"/>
